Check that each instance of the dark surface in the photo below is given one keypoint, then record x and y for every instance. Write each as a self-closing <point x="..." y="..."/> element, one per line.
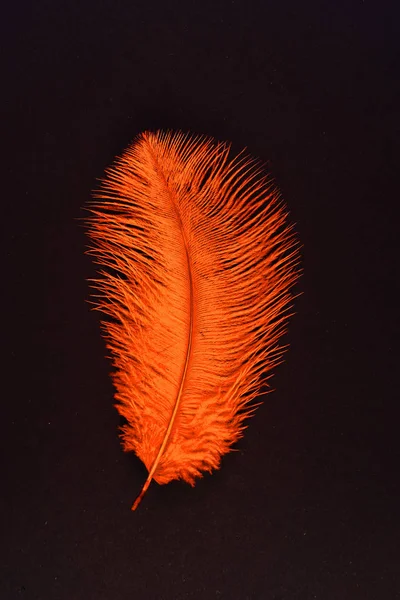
<point x="309" y="506"/>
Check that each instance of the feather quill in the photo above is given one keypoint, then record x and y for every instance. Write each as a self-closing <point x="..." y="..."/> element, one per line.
<point x="197" y="265"/>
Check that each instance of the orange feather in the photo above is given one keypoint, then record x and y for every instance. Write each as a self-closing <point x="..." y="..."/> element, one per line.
<point x="198" y="264"/>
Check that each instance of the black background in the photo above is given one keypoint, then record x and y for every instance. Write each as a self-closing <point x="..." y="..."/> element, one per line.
<point x="308" y="506"/>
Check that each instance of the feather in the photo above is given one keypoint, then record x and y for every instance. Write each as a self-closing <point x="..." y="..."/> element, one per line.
<point x="197" y="265"/>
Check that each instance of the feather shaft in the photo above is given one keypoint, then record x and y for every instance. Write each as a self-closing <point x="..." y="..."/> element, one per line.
<point x="176" y="407"/>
